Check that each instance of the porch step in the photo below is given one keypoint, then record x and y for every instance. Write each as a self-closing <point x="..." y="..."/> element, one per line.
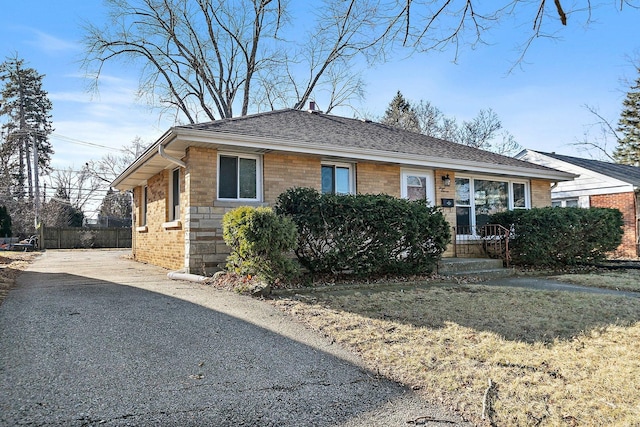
<point x="485" y="267"/>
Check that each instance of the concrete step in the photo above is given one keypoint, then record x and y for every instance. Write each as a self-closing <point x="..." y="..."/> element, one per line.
<point x="485" y="267"/>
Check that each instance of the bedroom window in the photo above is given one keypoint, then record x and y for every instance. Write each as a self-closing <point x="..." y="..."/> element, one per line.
<point x="337" y="179"/>
<point x="238" y="177"/>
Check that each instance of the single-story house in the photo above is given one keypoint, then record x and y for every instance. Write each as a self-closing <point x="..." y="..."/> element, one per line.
<point x="188" y="179"/>
<point x="598" y="184"/>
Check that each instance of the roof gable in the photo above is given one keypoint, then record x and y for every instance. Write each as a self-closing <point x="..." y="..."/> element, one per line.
<point x="625" y="173"/>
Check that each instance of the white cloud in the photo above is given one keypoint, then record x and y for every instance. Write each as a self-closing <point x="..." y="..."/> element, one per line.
<point x="50" y="44"/>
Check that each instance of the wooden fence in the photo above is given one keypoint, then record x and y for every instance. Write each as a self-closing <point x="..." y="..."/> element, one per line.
<point x="74" y="237"/>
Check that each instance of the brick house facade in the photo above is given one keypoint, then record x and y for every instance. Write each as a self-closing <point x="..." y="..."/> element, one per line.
<point x="182" y="185"/>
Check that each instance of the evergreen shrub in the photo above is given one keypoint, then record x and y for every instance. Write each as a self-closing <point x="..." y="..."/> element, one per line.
<point x="260" y="242"/>
<point x="5" y="222"/>
<point x="364" y="234"/>
<point x="561" y="236"/>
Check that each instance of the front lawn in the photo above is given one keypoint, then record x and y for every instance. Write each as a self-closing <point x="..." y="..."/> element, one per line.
<point x="552" y="358"/>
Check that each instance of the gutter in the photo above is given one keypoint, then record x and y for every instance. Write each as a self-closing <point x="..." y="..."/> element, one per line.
<point x="170" y="158"/>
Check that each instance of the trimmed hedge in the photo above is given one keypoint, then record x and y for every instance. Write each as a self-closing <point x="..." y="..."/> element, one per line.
<point x="260" y="242"/>
<point x="364" y="234"/>
<point x="561" y="236"/>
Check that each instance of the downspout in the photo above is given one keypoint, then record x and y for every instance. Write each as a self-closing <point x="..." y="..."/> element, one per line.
<point x="168" y="157"/>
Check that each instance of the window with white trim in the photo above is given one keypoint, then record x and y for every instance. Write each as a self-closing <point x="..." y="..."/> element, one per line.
<point x="239" y="177"/>
<point x="478" y="198"/>
<point x="337" y="178"/>
<point x="418" y="185"/>
<point x="174" y="195"/>
<point x="566" y="203"/>
<point x="143" y="206"/>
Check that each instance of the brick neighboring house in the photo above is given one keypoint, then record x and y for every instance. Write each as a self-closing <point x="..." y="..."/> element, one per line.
<point x="188" y="179"/>
<point x="598" y="184"/>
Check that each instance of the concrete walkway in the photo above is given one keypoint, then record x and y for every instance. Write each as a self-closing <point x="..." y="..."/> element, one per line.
<point x="542" y="284"/>
<point x="90" y="338"/>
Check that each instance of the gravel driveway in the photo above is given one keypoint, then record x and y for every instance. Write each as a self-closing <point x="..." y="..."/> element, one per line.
<point x="91" y="338"/>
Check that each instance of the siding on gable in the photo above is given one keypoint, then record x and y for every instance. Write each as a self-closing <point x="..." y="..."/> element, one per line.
<point x="587" y="182"/>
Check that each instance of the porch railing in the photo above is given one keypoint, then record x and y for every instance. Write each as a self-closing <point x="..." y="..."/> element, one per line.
<point x="490" y="240"/>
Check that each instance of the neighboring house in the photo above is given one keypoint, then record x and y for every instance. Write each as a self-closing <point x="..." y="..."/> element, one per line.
<point x="598" y="184"/>
<point x="194" y="174"/>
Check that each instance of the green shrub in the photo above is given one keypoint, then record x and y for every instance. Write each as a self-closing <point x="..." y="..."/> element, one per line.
<point x="260" y="241"/>
<point x="561" y="236"/>
<point x="364" y="234"/>
<point x="5" y="222"/>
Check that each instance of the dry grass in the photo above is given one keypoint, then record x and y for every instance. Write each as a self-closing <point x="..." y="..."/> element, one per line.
<point x="12" y="264"/>
<point x="557" y="359"/>
<point x="623" y="280"/>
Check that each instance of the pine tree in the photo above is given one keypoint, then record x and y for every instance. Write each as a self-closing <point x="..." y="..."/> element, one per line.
<point x="25" y="109"/>
<point x="401" y="114"/>
<point x="628" y="150"/>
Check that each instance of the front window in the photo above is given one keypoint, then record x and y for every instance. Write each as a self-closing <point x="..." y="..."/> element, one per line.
<point x="567" y="203"/>
<point x="174" y="205"/>
<point x="490" y="197"/>
<point x="143" y="205"/>
<point x="238" y="177"/>
<point x="336" y="179"/>
<point x="478" y="199"/>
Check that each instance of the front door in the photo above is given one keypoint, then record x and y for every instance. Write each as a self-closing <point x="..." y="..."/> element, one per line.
<point x="418" y="185"/>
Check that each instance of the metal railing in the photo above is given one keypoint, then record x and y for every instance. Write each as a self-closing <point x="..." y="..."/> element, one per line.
<point x="490" y="240"/>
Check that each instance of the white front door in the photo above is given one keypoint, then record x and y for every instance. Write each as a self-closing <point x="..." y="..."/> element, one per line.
<point x="418" y="185"/>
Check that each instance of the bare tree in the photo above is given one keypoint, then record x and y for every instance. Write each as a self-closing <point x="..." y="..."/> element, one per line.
<point x="598" y="137"/>
<point x="107" y="168"/>
<point x="76" y="187"/>
<point x="484" y="131"/>
<point x="214" y="58"/>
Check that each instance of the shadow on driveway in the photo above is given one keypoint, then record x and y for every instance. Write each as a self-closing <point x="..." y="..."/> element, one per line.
<point x="113" y="342"/>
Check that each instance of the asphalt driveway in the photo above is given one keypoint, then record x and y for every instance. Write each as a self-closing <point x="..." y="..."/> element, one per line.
<point x="91" y="338"/>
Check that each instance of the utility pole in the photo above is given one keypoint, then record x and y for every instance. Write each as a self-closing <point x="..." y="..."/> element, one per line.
<point x="36" y="199"/>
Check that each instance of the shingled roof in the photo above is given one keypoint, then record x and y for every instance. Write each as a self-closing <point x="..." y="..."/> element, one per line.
<point x="335" y="131"/>
<point x="329" y="136"/>
<point x="625" y="173"/>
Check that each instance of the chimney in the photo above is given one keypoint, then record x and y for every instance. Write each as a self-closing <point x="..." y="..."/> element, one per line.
<point x="312" y="107"/>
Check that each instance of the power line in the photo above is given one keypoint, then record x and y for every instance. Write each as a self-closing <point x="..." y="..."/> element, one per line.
<point x="81" y="142"/>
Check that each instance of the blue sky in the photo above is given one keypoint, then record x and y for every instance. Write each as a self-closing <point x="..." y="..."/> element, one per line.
<point x="541" y="102"/>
